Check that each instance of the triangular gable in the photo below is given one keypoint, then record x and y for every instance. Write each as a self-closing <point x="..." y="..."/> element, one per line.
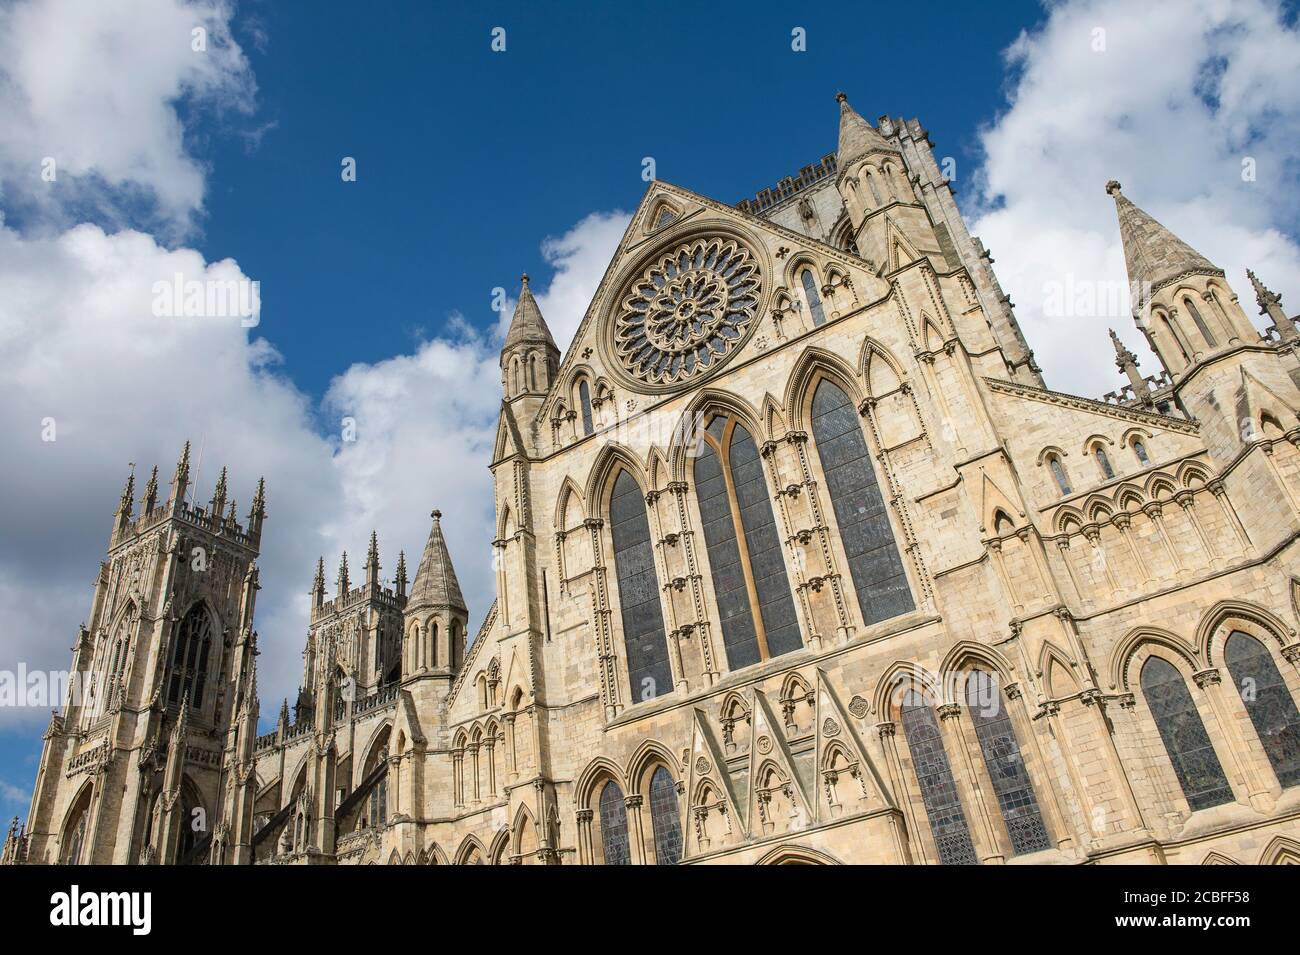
<point x="776" y="789"/>
<point x="837" y="736"/>
<point x="707" y="769"/>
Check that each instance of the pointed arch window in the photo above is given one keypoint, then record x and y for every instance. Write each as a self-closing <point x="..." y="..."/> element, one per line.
<point x="1005" y="765"/>
<point x="934" y="776"/>
<point x="1058" y="474"/>
<point x="1140" y="450"/>
<point x="74" y="832"/>
<point x="1203" y="328"/>
<point x="1268" y="702"/>
<point x="1195" y="763"/>
<point x="868" y="539"/>
<point x="189" y="669"/>
<point x="1103" y="462"/>
<point x="613" y="826"/>
<point x="814" y="299"/>
<point x="638" y="592"/>
<point x="584" y="400"/>
<point x="665" y="818"/>
<point x="748" y="570"/>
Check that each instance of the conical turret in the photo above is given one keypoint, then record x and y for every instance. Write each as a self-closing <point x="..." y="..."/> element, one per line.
<point x="529" y="358"/>
<point x="857" y="137"/>
<point x="1154" y="256"/>
<point x="435" y="580"/>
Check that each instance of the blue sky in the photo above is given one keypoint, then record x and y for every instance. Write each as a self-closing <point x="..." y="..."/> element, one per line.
<point x="473" y="166"/>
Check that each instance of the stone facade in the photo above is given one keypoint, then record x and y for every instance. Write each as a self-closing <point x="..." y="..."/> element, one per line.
<point x="798" y="560"/>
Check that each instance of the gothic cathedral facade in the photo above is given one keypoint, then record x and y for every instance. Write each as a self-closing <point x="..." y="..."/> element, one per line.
<point x="798" y="559"/>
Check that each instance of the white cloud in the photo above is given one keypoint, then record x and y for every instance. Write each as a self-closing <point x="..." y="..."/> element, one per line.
<point x="1182" y="93"/>
<point x="97" y="87"/>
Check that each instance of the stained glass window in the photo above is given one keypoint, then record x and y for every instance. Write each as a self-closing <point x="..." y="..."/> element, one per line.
<point x="1184" y="736"/>
<point x="938" y="790"/>
<point x="1058" y="472"/>
<point x="1140" y="450"/>
<point x="1103" y="462"/>
<point x="1006" y="767"/>
<point x="814" y="300"/>
<point x="613" y="826"/>
<point x="749" y="578"/>
<point x="1268" y="701"/>
<point x="665" y="819"/>
<point x="878" y="575"/>
<point x="189" y="670"/>
<point x="584" y="399"/>
<point x="638" y="592"/>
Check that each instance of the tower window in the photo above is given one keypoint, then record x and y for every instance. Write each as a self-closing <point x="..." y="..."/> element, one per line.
<point x="190" y="658"/>
<point x="1103" y="462"/>
<point x="1203" y="328"/>
<point x="814" y="300"/>
<point x="1140" y="450"/>
<point x="1058" y="472"/>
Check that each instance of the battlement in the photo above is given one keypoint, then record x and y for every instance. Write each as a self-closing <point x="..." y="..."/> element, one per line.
<point x="789" y="187"/>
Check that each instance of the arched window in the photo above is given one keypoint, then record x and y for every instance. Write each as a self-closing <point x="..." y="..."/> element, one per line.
<point x="868" y="539"/>
<point x="664" y="818"/>
<point x="74" y="832"/>
<point x="613" y="826"/>
<point x="749" y="579"/>
<point x="1140" y="450"/>
<point x="938" y="789"/>
<point x="1203" y="328"/>
<point x="1268" y="701"/>
<point x="1184" y="736"/>
<point x="814" y="300"/>
<point x="1173" y="333"/>
<point x="638" y="592"/>
<point x="1058" y="472"/>
<point x="1103" y="462"/>
<point x="377" y="804"/>
<point x="1005" y="765"/>
<point x="190" y="657"/>
<point x="584" y="399"/>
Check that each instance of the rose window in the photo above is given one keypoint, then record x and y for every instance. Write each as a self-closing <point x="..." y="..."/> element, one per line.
<point x="688" y="311"/>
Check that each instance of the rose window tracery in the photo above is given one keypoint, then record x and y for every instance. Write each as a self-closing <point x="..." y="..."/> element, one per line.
<point x="688" y="311"/>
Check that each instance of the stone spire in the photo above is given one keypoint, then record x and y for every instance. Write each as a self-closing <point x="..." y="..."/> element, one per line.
<point x="1154" y="256"/>
<point x="401" y="581"/>
<point x="372" y="561"/>
<point x="127" y="502"/>
<point x="343" y="582"/>
<point x="857" y="137"/>
<point x="218" y="503"/>
<point x="318" y="585"/>
<point x="529" y="358"/>
<point x="151" y="491"/>
<point x="1127" y="362"/>
<point x="1270" y="304"/>
<point x="527" y="326"/>
<point x="257" y="513"/>
<point x="435" y="581"/>
<point x="181" y="479"/>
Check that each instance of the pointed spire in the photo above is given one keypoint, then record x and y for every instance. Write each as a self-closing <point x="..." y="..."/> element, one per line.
<point x="257" y="513"/>
<point x="1154" y="256"/>
<point x="401" y="573"/>
<point x="857" y="137"/>
<point x="151" y="491"/>
<point x="231" y="515"/>
<point x="1127" y="362"/>
<point x="318" y="585"/>
<point x="343" y="575"/>
<point x="527" y="325"/>
<point x="1270" y="304"/>
<point x="180" y="479"/>
<point x="435" y="581"/>
<point x="127" y="501"/>
<point x="218" y="503"/>
<point x="372" y="561"/>
<point x="284" y="713"/>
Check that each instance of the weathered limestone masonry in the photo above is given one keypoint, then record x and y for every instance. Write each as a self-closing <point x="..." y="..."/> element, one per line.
<point x="798" y="560"/>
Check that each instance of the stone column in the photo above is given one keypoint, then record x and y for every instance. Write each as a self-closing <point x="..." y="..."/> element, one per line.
<point x="635" y="829"/>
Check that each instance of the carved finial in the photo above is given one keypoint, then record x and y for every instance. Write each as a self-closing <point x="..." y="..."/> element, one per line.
<point x="1112" y="188"/>
<point x="523" y="280"/>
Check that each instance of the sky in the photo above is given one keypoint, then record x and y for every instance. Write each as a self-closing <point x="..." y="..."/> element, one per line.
<point x="128" y="156"/>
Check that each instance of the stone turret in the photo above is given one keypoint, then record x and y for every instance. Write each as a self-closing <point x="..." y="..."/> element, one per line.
<point x="436" y="616"/>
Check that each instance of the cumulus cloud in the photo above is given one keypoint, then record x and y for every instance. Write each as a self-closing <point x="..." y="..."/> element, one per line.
<point x="1175" y="100"/>
<point x="97" y="88"/>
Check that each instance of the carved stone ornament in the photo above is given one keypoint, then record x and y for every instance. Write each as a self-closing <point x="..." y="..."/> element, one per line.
<point x="830" y="728"/>
<point x="702" y="766"/>
<point x="764" y="745"/>
<point x="688" y="311"/>
<point x="858" y="707"/>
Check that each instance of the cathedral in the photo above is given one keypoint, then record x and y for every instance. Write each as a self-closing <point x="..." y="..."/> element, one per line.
<point x="798" y="561"/>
